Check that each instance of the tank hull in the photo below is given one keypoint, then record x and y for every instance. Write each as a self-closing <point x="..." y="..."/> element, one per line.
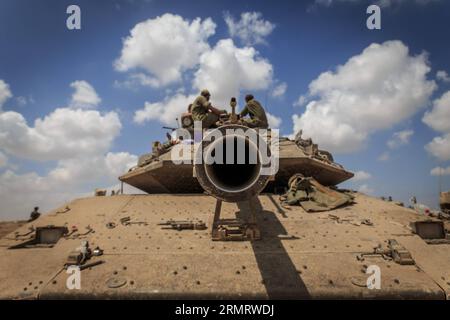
<point x="316" y="258"/>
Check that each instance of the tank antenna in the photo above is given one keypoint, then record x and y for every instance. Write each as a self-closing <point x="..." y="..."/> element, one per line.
<point x="266" y="102"/>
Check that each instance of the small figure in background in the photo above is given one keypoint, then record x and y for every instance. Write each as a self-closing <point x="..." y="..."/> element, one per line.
<point x="419" y="207"/>
<point x="34" y="215"/>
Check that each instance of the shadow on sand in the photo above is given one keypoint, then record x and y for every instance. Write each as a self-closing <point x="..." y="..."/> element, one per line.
<point x="279" y="274"/>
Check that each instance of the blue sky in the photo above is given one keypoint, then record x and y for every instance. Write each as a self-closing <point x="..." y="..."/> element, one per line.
<point x="40" y="60"/>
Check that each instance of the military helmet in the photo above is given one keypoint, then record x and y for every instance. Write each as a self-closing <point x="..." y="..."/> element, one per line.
<point x="205" y="93"/>
<point x="249" y="97"/>
<point x="156" y="145"/>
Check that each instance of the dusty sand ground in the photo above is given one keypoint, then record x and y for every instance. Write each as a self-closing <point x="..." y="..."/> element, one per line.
<point x="9" y="226"/>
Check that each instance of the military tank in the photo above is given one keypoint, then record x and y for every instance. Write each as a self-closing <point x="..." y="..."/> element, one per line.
<point x="208" y="230"/>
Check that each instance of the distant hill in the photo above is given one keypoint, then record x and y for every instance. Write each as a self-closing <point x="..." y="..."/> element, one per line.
<point x="7" y="227"/>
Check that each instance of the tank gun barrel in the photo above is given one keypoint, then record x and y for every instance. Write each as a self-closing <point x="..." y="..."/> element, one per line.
<point x="230" y="167"/>
<point x="170" y="128"/>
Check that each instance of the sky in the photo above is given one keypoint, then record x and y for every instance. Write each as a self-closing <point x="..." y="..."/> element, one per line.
<point x="77" y="107"/>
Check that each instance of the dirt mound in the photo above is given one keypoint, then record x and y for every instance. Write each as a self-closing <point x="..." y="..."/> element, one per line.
<point x="7" y="227"/>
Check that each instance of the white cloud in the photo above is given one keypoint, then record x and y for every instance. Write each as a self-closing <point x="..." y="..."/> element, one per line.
<point x="84" y="96"/>
<point x="438" y="171"/>
<point x="5" y="93"/>
<point x="3" y="160"/>
<point x="279" y="90"/>
<point x="168" y="46"/>
<point x="250" y="29"/>
<point x="439" y="119"/>
<point x="100" y="168"/>
<point x="366" y="189"/>
<point x="20" y="193"/>
<point x="77" y="139"/>
<point x="136" y="79"/>
<point x="165" y="111"/>
<point x="226" y="69"/>
<point x="361" y="175"/>
<point x="64" y="133"/>
<point x="118" y="163"/>
<point x="21" y="101"/>
<point x="440" y="147"/>
<point x="400" y="138"/>
<point x="300" y="101"/>
<point x="274" y="121"/>
<point x="72" y="178"/>
<point x="372" y="91"/>
<point x="165" y="47"/>
<point x="443" y="76"/>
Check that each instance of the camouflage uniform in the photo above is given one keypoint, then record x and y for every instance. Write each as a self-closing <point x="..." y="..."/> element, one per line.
<point x="159" y="148"/>
<point x="258" y="118"/>
<point x="200" y="112"/>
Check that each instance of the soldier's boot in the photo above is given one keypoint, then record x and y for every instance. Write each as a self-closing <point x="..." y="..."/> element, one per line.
<point x="255" y="123"/>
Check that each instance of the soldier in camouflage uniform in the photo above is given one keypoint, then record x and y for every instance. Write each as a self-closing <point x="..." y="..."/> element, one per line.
<point x="203" y="111"/>
<point x="253" y="108"/>
<point x="159" y="148"/>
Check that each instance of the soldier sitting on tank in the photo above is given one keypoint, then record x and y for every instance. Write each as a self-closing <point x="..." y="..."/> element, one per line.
<point x="253" y="108"/>
<point x="34" y="215"/>
<point x="203" y="111"/>
<point x="159" y="148"/>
